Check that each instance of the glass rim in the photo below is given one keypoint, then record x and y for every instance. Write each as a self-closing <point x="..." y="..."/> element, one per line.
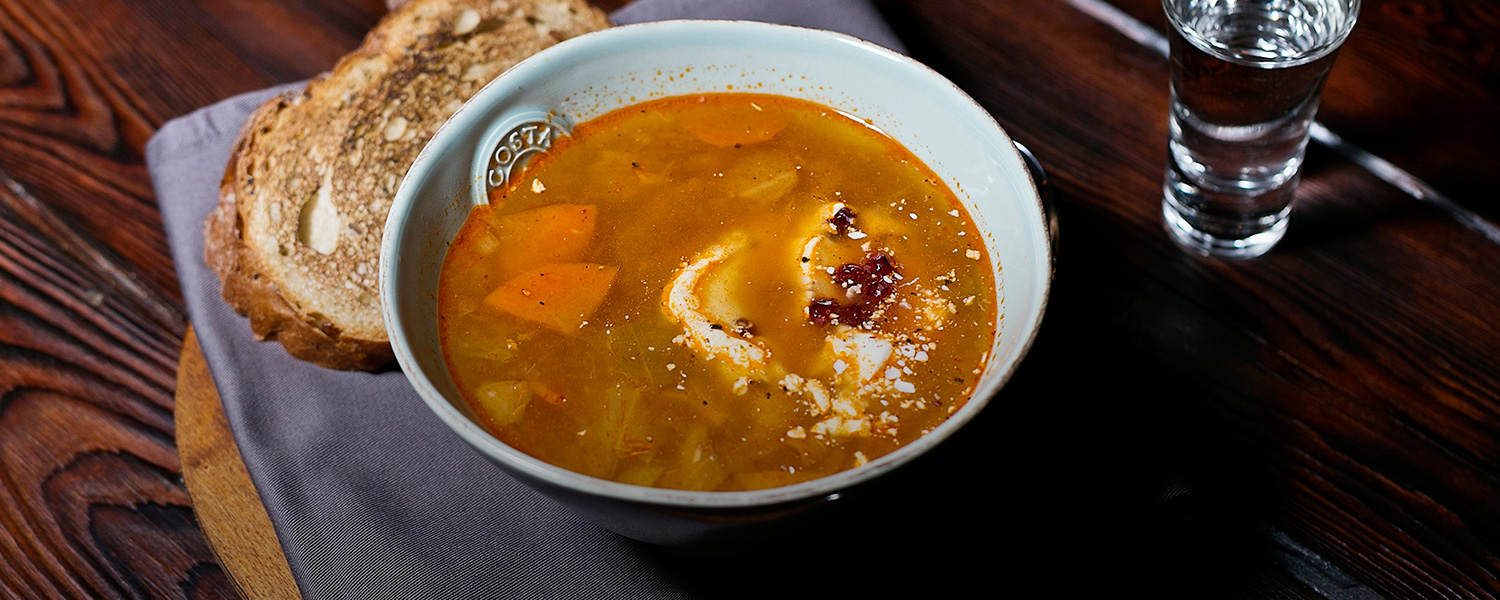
<point x="1315" y="53"/>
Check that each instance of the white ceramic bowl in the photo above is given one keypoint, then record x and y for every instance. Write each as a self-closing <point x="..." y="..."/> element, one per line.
<point x="588" y="76"/>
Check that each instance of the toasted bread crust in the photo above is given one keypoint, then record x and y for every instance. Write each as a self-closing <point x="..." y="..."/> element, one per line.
<point x="255" y="297"/>
<point x="296" y="236"/>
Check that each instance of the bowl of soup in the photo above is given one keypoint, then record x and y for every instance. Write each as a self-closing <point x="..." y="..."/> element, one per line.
<point x="693" y="277"/>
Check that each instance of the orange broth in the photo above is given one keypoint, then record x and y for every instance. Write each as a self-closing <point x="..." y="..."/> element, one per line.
<point x="717" y="292"/>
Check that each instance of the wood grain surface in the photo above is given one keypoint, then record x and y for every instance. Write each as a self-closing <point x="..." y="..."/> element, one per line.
<point x="225" y="499"/>
<point x="1323" y="422"/>
<point x="92" y="503"/>
<point x="1343" y="389"/>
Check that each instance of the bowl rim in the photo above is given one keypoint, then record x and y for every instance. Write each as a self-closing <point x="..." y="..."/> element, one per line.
<point x="823" y="487"/>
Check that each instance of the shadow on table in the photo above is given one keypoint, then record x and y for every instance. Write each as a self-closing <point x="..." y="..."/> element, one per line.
<point x="1090" y="473"/>
<point x="1327" y="214"/>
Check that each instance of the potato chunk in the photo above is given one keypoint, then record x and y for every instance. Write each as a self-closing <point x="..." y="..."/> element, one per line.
<point x="502" y="403"/>
<point x="763" y="177"/>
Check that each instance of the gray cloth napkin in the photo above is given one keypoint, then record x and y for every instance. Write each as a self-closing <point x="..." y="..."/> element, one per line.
<point x="371" y="496"/>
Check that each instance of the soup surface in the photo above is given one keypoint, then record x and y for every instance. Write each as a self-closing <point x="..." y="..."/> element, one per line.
<point x="717" y="292"/>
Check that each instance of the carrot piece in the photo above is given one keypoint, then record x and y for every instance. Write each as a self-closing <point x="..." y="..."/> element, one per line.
<point x="560" y="296"/>
<point x="556" y="233"/>
<point x="737" y="125"/>
<point x="546" y="392"/>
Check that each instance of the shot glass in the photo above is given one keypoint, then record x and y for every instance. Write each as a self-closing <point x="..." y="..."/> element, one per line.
<point x="1246" y="77"/>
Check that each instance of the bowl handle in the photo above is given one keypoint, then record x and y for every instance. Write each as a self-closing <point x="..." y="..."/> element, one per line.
<point x="510" y="142"/>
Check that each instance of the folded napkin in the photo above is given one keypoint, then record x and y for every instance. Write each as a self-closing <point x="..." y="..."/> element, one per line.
<point x="371" y="496"/>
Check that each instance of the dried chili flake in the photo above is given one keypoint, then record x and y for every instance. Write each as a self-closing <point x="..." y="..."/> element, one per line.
<point x="869" y="282"/>
<point x="842" y="220"/>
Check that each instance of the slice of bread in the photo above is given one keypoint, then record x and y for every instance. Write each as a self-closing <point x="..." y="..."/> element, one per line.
<point x="296" y="236"/>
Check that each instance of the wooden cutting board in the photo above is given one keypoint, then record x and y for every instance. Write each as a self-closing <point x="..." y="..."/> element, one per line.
<point x="225" y="501"/>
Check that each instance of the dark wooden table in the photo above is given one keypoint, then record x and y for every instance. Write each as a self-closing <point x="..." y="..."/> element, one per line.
<point x="1322" y="422"/>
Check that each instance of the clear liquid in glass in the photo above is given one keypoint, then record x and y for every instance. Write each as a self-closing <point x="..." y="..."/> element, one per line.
<point x="1246" y="77"/>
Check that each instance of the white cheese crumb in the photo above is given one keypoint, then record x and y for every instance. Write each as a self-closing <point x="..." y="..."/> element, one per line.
<point x="892" y="373"/>
<point x="537" y="187"/>
<point x="971" y="253"/>
<point x="905" y="387"/>
<point x="859" y="459"/>
<point x="839" y="366"/>
<point x="797" y="433"/>
<point x="953" y="212"/>
<point x="839" y="426"/>
<point x="869" y="352"/>
<point x="857" y="235"/>
<point x="671" y="366"/>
